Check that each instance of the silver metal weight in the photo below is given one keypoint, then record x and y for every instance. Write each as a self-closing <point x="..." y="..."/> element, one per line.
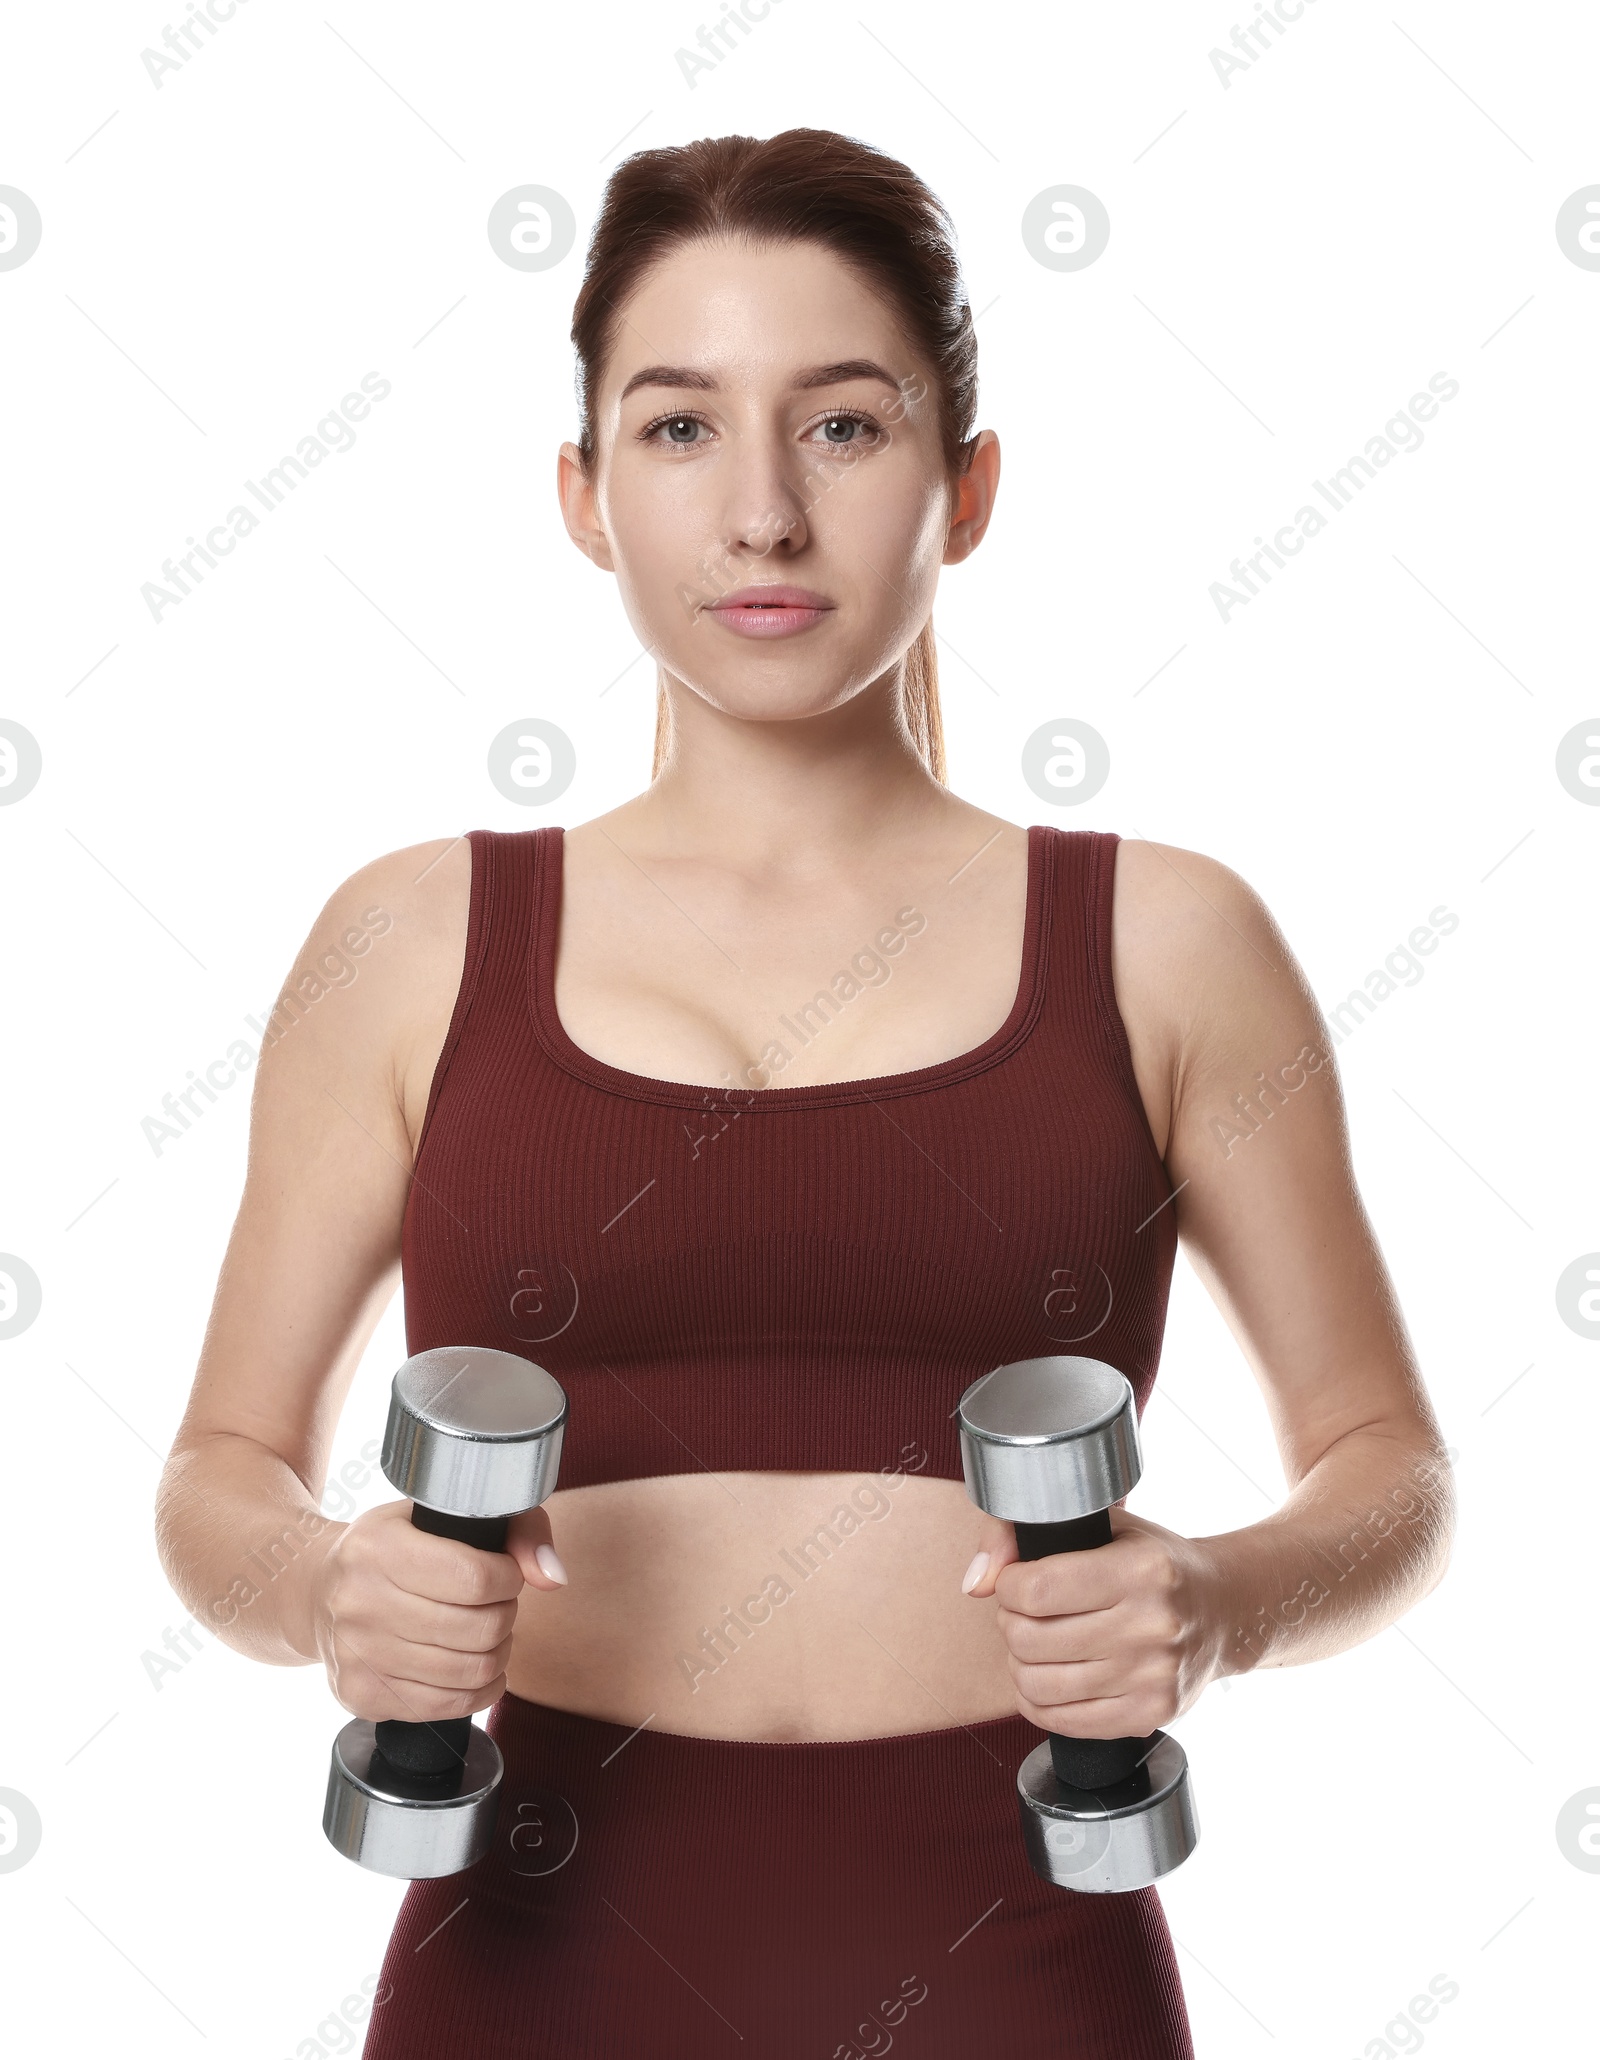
<point x="1054" y="1441"/>
<point x="474" y="1432"/>
<point x="1126" y="1836"/>
<point x="390" y="1824"/>
<point x="473" y="1436"/>
<point x="1043" y="1440"/>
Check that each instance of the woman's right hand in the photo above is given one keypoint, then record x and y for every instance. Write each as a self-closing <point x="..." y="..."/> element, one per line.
<point x="418" y="1627"/>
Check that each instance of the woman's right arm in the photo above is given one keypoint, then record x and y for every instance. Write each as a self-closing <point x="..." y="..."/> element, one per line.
<point x="407" y="1624"/>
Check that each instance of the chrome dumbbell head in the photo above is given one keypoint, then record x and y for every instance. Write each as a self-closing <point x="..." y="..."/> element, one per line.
<point x="474" y="1436"/>
<point x="1049" y="1444"/>
<point x="474" y="1432"/>
<point x="414" y="1827"/>
<point x="1044" y="1440"/>
<point x="1126" y="1836"/>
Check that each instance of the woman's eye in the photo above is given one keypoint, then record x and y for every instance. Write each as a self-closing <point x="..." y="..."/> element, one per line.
<point x="843" y="430"/>
<point x="676" y="432"/>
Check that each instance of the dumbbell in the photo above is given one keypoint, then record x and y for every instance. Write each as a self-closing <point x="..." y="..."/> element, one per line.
<point x="474" y="1436"/>
<point x="1049" y="1445"/>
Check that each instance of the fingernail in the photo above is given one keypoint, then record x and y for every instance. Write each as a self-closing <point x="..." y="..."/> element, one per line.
<point x="549" y="1564"/>
<point x="975" y="1573"/>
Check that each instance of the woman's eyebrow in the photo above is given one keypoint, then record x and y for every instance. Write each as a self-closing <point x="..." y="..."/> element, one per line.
<point x="846" y="369"/>
<point x="670" y="375"/>
<point x="818" y="375"/>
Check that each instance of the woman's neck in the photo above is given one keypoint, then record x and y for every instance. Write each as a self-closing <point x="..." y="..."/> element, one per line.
<point x="790" y="794"/>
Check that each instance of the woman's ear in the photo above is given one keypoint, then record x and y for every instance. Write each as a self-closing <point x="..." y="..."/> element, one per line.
<point x="976" y="488"/>
<point x="575" y="491"/>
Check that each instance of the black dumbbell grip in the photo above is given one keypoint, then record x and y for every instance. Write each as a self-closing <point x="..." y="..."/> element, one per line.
<point x="437" y="1750"/>
<point x="1092" y="1763"/>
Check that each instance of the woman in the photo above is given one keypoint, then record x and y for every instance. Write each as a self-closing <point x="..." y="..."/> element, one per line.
<point x="768" y="1111"/>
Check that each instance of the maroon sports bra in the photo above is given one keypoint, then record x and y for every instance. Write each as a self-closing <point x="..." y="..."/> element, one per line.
<point x="794" y="1278"/>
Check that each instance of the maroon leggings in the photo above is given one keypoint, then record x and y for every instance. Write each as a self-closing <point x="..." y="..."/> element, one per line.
<point x="664" y="1896"/>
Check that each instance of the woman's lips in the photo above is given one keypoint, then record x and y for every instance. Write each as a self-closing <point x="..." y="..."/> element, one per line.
<point x="770" y="611"/>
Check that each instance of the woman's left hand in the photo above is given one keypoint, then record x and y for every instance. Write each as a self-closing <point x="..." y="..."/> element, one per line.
<point x="1113" y="1642"/>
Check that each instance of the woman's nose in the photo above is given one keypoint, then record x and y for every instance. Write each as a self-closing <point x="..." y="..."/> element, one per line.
<point x="764" y="496"/>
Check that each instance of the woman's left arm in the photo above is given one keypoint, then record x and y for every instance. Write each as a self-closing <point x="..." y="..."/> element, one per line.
<point x="1118" y="1641"/>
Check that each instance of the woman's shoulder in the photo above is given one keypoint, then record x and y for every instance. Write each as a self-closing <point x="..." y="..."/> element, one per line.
<point x="393" y="935"/>
<point x="1205" y="979"/>
<point x="413" y="901"/>
<point x="1178" y="905"/>
<point x="1169" y="899"/>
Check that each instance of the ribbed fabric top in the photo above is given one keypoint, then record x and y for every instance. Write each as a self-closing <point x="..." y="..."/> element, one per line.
<point x="789" y="1278"/>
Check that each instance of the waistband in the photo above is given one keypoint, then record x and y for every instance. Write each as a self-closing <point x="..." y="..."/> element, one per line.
<point x="516" y="1723"/>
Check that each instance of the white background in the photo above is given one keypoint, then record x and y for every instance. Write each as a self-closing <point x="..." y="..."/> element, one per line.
<point x="1372" y="202"/>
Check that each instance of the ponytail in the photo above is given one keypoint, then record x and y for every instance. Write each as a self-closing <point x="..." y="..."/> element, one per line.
<point x="919" y="703"/>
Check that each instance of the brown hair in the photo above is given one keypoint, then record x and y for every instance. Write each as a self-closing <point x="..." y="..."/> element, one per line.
<point x="812" y="186"/>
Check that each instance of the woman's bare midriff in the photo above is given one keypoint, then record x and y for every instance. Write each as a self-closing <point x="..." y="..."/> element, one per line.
<point x="873" y="1636"/>
<point x="877" y="1638"/>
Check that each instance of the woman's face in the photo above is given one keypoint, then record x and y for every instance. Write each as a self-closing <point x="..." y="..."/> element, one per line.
<point x="765" y="433"/>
